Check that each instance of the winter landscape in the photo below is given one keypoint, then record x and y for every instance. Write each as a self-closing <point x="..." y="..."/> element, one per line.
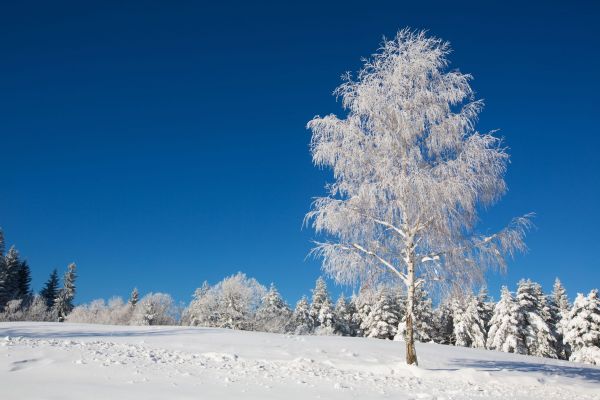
<point x="376" y="252"/>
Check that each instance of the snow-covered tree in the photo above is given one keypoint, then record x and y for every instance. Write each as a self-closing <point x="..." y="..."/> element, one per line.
<point x="303" y="323"/>
<point x="410" y="174"/>
<point x="154" y="309"/>
<point x="326" y="322"/>
<point x="344" y="313"/>
<point x="202" y="310"/>
<point x="134" y="297"/>
<point x="504" y="334"/>
<point x="9" y="277"/>
<point x="319" y="296"/>
<point x="583" y="329"/>
<point x="485" y="307"/>
<point x="37" y="310"/>
<point x="423" y="325"/>
<point x="63" y="304"/>
<point x="539" y="338"/>
<point x="444" y="323"/>
<point x="469" y="324"/>
<point x="382" y="321"/>
<point x="559" y="311"/>
<point x="364" y="302"/>
<point x="274" y="314"/>
<point x="50" y="290"/>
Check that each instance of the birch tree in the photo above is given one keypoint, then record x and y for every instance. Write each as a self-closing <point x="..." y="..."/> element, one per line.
<point x="410" y="174"/>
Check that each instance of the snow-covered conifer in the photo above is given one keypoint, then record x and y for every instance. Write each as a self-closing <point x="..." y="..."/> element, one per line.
<point x="411" y="173"/>
<point x="134" y="297"/>
<point x="382" y="322"/>
<point x="559" y="310"/>
<point x="469" y="325"/>
<point x="303" y="323"/>
<point x="423" y="325"/>
<point x="63" y="304"/>
<point x="274" y="314"/>
<point x="50" y="290"/>
<point x="583" y="329"/>
<point x="538" y="336"/>
<point x="326" y="323"/>
<point x="444" y="323"/>
<point x="344" y="311"/>
<point x="504" y="334"/>
<point x="319" y="296"/>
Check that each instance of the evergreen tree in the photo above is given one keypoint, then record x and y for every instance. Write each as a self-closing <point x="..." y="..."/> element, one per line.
<point x="3" y="283"/>
<point x="64" y="300"/>
<point x="344" y="313"/>
<point x="560" y="308"/>
<point x="326" y="322"/>
<point x="303" y="323"/>
<point x="469" y="325"/>
<point x="583" y="329"/>
<point x="134" y="297"/>
<point x="24" y="282"/>
<point x="538" y="336"/>
<point x="320" y="295"/>
<point x="504" y="332"/>
<point x="382" y="321"/>
<point x="50" y="290"/>
<point x="444" y="323"/>
<point x="423" y="323"/>
<point x="485" y="308"/>
<point x="10" y="277"/>
<point x="273" y="314"/>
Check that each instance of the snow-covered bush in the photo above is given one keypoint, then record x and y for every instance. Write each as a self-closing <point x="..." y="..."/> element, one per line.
<point x="115" y="312"/>
<point x="274" y="314"/>
<point x="155" y="309"/>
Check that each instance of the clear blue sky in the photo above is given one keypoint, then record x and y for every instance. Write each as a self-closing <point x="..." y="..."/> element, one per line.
<point x="159" y="144"/>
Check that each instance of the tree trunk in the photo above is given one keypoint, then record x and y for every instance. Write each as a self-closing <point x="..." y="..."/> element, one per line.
<point x="411" y="354"/>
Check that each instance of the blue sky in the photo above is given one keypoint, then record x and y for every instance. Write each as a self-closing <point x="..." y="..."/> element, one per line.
<point x="159" y="144"/>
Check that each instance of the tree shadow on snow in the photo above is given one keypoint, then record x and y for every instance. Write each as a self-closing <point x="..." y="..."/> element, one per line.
<point x="570" y="371"/>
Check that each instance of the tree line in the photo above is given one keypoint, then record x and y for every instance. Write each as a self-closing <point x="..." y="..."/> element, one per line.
<point x="19" y="302"/>
<point x="528" y="321"/>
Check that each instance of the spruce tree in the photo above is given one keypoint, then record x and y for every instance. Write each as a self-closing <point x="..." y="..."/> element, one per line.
<point x="303" y="323"/>
<point x="134" y="297"/>
<point x="326" y="323"/>
<point x="538" y="335"/>
<point x="50" y="290"/>
<point x="504" y="334"/>
<point x="583" y="329"/>
<point x="10" y="277"/>
<point x="560" y="308"/>
<point x="469" y="324"/>
<point x="320" y="295"/>
<point x="423" y="324"/>
<point x="273" y="314"/>
<point x="343" y="316"/>
<point x="382" y="321"/>
<point x="24" y="282"/>
<point x="444" y="323"/>
<point x="64" y="300"/>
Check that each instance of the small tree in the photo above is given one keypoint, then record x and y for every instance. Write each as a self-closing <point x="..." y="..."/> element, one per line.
<point x="382" y="321"/>
<point x="469" y="325"/>
<point x="63" y="304"/>
<point x="410" y="174"/>
<point x="134" y="297"/>
<point x="559" y="309"/>
<point x="319" y="296"/>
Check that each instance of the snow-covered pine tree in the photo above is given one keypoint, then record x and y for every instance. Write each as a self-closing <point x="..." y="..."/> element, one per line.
<point x="423" y="325"/>
<point x="134" y="297"/>
<point x="364" y="301"/>
<point x="202" y="310"/>
<point x="63" y="304"/>
<point x="583" y="329"/>
<point x="343" y="316"/>
<point x="274" y="314"/>
<point x="504" y="334"/>
<point x="303" y="323"/>
<point x="10" y="277"/>
<point x="382" y="322"/>
<point x="319" y="296"/>
<point x="538" y="336"/>
<point x="326" y="322"/>
<point x="24" y="283"/>
<point x="444" y="323"/>
<point x="559" y="309"/>
<point x="485" y="307"/>
<point x="469" y="325"/>
<point x="410" y="174"/>
<point x="50" y="289"/>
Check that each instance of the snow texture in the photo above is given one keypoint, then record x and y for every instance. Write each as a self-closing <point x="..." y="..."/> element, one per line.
<point x="79" y="361"/>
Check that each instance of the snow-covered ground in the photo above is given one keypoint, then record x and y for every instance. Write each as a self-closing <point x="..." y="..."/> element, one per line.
<point x="79" y="361"/>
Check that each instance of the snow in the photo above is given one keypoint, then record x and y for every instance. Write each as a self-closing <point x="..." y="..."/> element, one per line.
<point x="79" y="361"/>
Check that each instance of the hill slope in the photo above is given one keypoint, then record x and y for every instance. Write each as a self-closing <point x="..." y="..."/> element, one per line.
<point x="78" y="361"/>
